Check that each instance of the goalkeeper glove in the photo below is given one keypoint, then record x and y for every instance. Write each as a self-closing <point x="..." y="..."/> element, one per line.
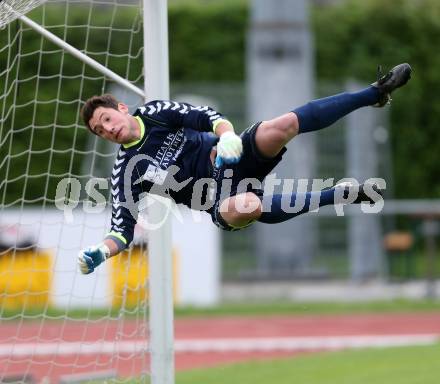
<point x="229" y="149"/>
<point x="90" y="258"/>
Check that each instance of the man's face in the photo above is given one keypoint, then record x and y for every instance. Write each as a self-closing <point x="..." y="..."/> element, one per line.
<point x="114" y="125"/>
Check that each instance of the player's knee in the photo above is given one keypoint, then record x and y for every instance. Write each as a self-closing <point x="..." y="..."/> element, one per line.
<point x="283" y="128"/>
<point x="288" y="125"/>
<point x="239" y="210"/>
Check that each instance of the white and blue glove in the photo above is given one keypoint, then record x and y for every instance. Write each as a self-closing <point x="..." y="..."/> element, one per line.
<point x="90" y="258"/>
<point x="229" y="149"/>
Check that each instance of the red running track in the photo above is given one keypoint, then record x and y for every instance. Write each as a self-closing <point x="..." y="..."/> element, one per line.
<point x="58" y="362"/>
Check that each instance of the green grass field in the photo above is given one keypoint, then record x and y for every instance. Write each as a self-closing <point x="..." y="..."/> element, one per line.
<point x="409" y="365"/>
<point x="240" y="309"/>
<point x="403" y="365"/>
<point x="312" y="308"/>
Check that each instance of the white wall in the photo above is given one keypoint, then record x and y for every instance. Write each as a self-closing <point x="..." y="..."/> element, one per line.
<point x="198" y="245"/>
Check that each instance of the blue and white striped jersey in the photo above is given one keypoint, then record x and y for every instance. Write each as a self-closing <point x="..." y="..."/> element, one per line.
<point x="172" y="154"/>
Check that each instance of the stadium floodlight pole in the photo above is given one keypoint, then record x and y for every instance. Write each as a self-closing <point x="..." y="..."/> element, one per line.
<point x="79" y="55"/>
<point x="156" y="78"/>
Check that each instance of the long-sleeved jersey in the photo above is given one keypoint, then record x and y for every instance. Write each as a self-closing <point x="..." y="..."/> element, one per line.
<point x="172" y="154"/>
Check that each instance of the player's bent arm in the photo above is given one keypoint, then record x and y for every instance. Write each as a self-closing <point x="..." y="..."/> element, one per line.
<point x="175" y="115"/>
<point x="222" y="126"/>
<point x="229" y="147"/>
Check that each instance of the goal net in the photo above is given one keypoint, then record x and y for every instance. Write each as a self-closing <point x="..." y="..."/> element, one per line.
<point x="57" y="324"/>
<point x="12" y="9"/>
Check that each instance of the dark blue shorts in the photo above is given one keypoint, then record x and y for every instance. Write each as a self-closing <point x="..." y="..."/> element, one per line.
<point x="252" y="165"/>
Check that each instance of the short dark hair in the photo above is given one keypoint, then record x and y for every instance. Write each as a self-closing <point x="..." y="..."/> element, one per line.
<point x="107" y="101"/>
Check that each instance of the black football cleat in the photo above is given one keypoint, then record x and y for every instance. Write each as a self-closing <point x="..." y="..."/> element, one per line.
<point x="362" y="196"/>
<point x="395" y="78"/>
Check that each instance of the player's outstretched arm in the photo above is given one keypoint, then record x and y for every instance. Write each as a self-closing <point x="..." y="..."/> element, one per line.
<point x="229" y="147"/>
<point x="91" y="257"/>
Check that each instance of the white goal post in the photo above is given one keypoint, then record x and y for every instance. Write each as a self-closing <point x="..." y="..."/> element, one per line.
<point x="156" y="86"/>
<point x="161" y="292"/>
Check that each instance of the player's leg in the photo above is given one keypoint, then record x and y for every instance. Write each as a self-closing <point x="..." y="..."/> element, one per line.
<point x="243" y="209"/>
<point x="279" y="208"/>
<point x="273" y="135"/>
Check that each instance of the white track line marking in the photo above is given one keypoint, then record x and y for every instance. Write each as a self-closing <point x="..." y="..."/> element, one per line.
<point x="220" y="345"/>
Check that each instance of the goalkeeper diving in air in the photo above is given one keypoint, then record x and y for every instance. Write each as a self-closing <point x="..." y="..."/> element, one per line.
<point x="172" y="148"/>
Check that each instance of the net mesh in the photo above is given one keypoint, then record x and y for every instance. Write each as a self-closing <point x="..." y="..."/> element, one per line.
<point x="56" y="322"/>
<point x="12" y="9"/>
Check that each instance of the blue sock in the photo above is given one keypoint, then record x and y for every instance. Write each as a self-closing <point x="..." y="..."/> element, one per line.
<point x="274" y="211"/>
<point x="321" y="113"/>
